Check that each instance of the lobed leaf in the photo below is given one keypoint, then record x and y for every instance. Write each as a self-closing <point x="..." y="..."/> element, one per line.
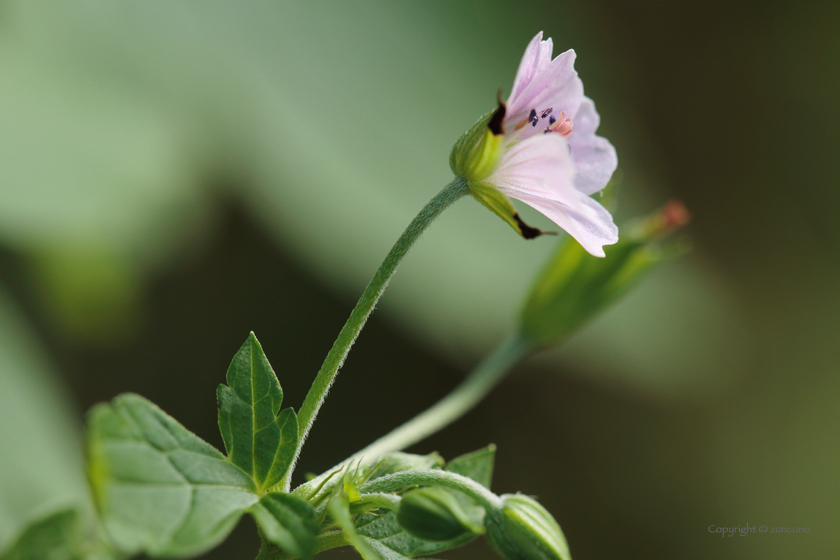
<point x="259" y="438"/>
<point x="159" y="488"/>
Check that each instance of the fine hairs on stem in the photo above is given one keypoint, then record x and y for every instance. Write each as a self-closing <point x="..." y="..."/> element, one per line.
<point x="335" y="358"/>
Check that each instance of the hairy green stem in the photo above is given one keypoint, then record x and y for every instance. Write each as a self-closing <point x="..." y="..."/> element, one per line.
<point x="434" y="477"/>
<point x="461" y="400"/>
<point x="335" y="358"/>
<point x="454" y="405"/>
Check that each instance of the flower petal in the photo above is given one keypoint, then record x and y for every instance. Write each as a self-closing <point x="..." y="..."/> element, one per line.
<point x="594" y="156"/>
<point x="537" y="56"/>
<point x="588" y="222"/>
<point x="539" y="166"/>
<point x="543" y="85"/>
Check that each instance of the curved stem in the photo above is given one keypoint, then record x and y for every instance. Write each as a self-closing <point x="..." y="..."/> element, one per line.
<point x="404" y="479"/>
<point x="454" y="405"/>
<point x="335" y="358"/>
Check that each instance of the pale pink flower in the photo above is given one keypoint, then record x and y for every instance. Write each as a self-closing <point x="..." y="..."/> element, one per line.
<point x="551" y="158"/>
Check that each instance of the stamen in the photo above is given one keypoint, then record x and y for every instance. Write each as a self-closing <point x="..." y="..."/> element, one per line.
<point x="546" y="112"/>
<point x="532" y="117"/>
<point x="563" y="125"/>
<point x="551" y="121"/>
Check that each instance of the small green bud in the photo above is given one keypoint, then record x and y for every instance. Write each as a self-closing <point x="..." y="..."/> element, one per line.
<point x="477" y="152"/>
<point x="434" y="514"/>
<point x="575" y="286"/>
<point x="524" y="530"/>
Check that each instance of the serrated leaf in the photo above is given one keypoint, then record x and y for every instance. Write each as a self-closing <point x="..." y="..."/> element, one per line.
<point x="159" y="488"/>
<point x="288" y="522"/>
<point x="259" y="438"/>
<point x="386" y="533"/>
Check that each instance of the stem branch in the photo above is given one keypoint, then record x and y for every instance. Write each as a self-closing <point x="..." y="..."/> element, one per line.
<point x="404" y="479"/>
<point x="454" y="405"/>
<point x="335" y="358"/>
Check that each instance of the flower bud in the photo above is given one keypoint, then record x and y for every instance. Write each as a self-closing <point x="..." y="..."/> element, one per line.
<point x="433" y="514"/>
<point x="524" y="530"/>
<point x="476" y="153"/>
<point x="574" y="286"/>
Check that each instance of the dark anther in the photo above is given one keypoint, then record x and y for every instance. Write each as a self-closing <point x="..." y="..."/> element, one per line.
<point x="495" y="124"/>
<point x="551" y="121"/>
<point x="547" y="112"/>
<point x="528" y="232"/>
<point x="532" y="118"/>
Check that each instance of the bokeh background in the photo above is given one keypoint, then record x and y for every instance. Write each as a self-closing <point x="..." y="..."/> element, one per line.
<point x="174" y="175"/>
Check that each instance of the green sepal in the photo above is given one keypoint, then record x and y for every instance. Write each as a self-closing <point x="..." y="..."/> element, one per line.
<point x="259" y="437"/>
<point x="433" y="514"/>
<point x="467" y="144"/>
<point x="493" y="199"/>
<point x="522" y="529"/>
<point x="384" y="533"/>
<point x="477" y="152"/>
<point x="158" y="487"/>
<point x="288" y="522"/>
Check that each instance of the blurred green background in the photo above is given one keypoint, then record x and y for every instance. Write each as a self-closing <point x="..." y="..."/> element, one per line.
<point x="174" y="175"/>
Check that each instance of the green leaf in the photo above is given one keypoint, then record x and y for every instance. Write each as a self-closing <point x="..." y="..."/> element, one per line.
<point x="477" y="465"/>
<point x="339" y="509"/>
<point x="383" y="532"/>
<point x="61" y="535"/>
<point x="398" y="461"/>
<point x="289" y="522"/>
<point x="41" y="462"/>
<point x="259" y="438"/>
<point x="159" y="488"/>
<point x="55" y="537"/>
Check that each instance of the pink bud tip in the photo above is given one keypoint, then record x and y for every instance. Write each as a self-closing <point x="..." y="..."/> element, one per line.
<point x="675" y="215"/>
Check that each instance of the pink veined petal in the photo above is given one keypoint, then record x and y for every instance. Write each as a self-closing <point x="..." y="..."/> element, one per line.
<point x="540" y="166"/>
<point x="537" y="56"/>
<point x="588" y="222"/>
<point x="557" y="87"/>
<point x="594" y="156"/>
